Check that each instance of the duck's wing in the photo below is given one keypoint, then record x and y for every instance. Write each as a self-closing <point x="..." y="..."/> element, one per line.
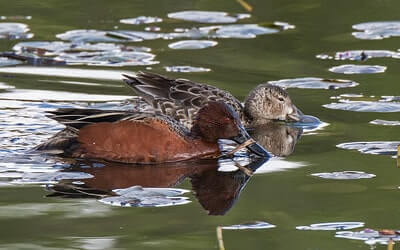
<point x="178" y="98"/>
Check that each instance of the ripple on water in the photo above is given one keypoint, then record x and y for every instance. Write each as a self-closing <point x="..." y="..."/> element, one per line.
<point x="314" y="83"/>
<point x="385" y="122"/>
<point x="358" y="69"/>
<point x="141" y="20"/>
<point x="345" y="175"/>
<point x="376" y="30"/>
<point x="137" y="196"/>
<point x="186" y="69"/>
<point x="372" y="147"/>
<point x="207" y="16"/>
<point x="360" y="55"/>
<point x="249" y="225"/>
<point x="14" y="31"/>
<point x="332" y="226"/>
<point x="193" y="44"/>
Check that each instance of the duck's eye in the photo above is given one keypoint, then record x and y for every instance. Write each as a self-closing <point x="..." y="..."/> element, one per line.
<point x="281" y="99"/>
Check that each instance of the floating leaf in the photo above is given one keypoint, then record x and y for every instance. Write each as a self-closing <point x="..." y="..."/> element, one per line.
<point x="141" y="20"/>
<point x="385" y="122"/>
<point x="193" y="44"/>
<point x="376" y="30"/>
<point x="137" y="196"/>
<point x="332" y="226"/>
<point x="186" y="69"/>
<point x="250" y="225"/>
<point x="360" y="55"/>
<point x="345" y="175"/>
<point x="369" y="236"/>
<point x="314" y="83"/>
<point x="207" y="16"/>
<point x="372" y="147"/>
<point x="14" y="31"/>
<point x="358" y="69"/>
<point x="365" y="106"/>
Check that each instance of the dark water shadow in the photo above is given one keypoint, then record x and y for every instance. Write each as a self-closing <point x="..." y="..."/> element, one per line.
<point x="216" y="191"/>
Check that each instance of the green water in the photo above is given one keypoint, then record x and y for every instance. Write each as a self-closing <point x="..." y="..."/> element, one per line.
<point x="286" y="198"/>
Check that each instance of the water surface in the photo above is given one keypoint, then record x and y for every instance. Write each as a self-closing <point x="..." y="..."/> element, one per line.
<point x="279" y="40"/>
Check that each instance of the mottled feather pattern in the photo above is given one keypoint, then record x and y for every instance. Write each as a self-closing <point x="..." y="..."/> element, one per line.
<point x="179" y="98"/>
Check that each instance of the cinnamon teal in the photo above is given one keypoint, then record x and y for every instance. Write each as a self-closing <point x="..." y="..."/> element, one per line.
<point x="181" y="99"/>
<point x="146" y="138"/>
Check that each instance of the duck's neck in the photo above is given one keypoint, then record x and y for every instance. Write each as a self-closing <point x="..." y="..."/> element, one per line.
<point x="205" y="148"/>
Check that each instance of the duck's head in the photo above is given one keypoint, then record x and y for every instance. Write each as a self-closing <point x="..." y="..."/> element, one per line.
<point x="270" y="102"/>
<point x="217" y="120"/>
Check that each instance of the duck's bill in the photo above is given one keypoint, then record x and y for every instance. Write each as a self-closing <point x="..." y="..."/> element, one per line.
<point x="245" y="140"/>
<point x="296" y="115"/>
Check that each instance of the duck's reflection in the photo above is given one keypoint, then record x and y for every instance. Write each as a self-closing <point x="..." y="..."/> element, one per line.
<point x="276" y="137"/>
<point x="216" y="191"/>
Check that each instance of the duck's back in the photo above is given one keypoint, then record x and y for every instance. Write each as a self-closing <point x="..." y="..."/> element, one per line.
<point x="178" y="98"/>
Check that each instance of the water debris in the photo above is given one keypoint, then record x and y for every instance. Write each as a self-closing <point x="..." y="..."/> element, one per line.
<point x="186" y="69"/>
<point x="193" y="44"/>
<point x="314" y="83"/>
<point x="377" y="30"/>
<point x="14" y="31"/>
<point x="332" y="226"/>
<point x="207" y="16"/>
<point x="249" y="225"/>
<point x="141" y="20"/>
<point x="345" y="175"/>
<point x="371" y="237"/>
<point x="5" y="61"/>
<point x="358" y="69"/>
<point x="385" y="122"/>
<point x="245" y="5"/>
<point x="360" y="55"/>
<point x="372" y="147"/>
<point x="138" y="196"/>
<point x="398" y="155"/>
<point x="220" y="238"/>
<point x="50" y="178"/>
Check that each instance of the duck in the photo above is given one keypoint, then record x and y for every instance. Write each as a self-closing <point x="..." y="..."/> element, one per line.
<point x="146" y="137"/>
<point x="182" y="98"/>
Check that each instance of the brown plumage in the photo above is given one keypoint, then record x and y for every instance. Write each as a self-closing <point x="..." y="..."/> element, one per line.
<point x="146" y="138"/>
